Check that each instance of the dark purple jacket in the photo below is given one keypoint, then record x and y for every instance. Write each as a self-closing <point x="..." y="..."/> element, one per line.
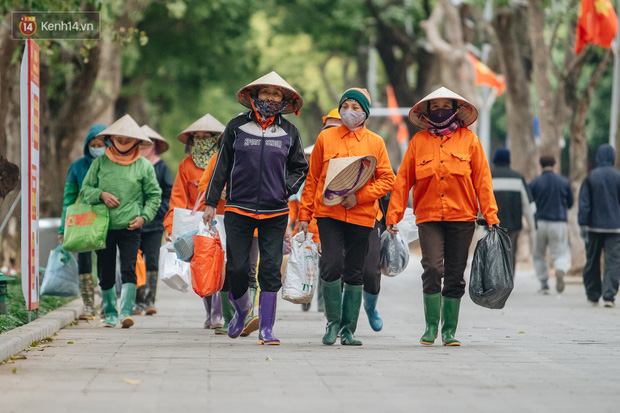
<point x="261" y="168"/>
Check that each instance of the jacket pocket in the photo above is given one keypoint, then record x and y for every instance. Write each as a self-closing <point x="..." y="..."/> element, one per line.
<point x="425" y="167"/>
<point x="460" y="164"/>
<point x="328" y="156"/>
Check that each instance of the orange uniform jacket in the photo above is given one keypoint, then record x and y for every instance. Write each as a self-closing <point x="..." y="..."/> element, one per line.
<point x="448" y="177"/>
<point x="204" y="183"/>
<point x="339" y="142"/>
<point x="185" y="190"/>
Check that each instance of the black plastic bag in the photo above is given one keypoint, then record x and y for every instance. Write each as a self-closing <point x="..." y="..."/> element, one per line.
<point x="492" y="279"/>
<point x="394" y="254"/>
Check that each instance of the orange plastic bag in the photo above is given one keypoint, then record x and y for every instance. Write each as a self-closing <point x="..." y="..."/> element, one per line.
<point x="140" y="270"/>
<point x="207" y="265"/>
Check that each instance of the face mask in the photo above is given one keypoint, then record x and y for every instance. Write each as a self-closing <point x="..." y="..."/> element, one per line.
<point x="124" y="149"/>
<point x="269" y="108"/>
<point x="441" y="117"/>
<point x="96" y="152"/>
<point x="352" y="120"/>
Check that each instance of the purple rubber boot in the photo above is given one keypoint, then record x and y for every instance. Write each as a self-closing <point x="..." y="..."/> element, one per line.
<point x="207" y="302"/>
<point x="266" y="318"/>
<point x="217" y="320"/>
<point x="242" y="306"/>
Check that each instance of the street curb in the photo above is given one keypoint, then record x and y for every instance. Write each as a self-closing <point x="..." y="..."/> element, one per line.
<point x="20" y="338"/>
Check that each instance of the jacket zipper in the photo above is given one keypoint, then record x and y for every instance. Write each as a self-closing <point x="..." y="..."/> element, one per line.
<point x="260" y="171"/>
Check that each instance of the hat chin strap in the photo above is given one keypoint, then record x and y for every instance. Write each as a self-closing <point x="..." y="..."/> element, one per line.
<point x="329" y="194"/>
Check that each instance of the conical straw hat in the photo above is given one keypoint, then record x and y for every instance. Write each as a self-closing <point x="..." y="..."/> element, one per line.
<point x="465" y="111"/>
<point x="126" y="127"/>
<point x="205" y="124"/>
<point x="154" y="136"/>
<point x="347" y="175"/>
<point x="271" y="79"/>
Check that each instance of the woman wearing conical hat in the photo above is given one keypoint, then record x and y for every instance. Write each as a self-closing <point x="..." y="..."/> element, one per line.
<point x="262" y="163"/>
<point x="150" y="240"/>
<point x="200" y="139"/>
<point x="349" y="171"/>
<point x="126" y="183"/>
<point x="447" y="168"/>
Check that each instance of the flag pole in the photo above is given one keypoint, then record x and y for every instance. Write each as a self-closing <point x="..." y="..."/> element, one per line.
<point x="615" y="91"/>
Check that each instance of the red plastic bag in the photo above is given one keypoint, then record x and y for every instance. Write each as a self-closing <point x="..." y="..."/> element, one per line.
<point x="207" y="264"/>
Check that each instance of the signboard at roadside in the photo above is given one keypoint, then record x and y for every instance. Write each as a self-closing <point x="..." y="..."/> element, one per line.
<point x="30" y="128"/>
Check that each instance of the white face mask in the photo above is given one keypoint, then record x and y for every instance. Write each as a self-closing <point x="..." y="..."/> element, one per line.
<point x="96" y="152"/>
<point x="352" y="120"/>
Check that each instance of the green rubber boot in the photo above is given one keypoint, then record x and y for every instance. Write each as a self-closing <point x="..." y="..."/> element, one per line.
<point x="449" y="320"/>
<point x="109" y="306"/>
<point x="432" y="307"/>
<point x="333" y="310"/>
<point x="128" y="299"/>
<point x="251" y="322"/>
<point x="351" y="303"/>
<point x="228" y="311"/>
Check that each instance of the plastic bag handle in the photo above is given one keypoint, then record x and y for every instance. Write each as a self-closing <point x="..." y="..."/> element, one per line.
<point x="199" y="202"/>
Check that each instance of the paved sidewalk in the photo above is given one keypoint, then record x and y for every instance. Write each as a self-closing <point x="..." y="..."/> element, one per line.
<point x="539" y="354"/>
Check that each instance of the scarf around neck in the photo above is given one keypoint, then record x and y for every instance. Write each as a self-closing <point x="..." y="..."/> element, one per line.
<point x="123" y="159"/>
<point x="150" y="153"/>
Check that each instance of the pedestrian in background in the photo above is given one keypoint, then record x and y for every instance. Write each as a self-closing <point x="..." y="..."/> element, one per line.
<point x="126" y="183"/>
<point x="554" y="197"/>
<point x="599" y="219"/>
<point x="262" y="163"/>
<point x="150" y="239"/>
<point x="93" y="148"/>
<point x="514" y="200"/>
<point x="448" y="170"/>
<point x="201" y="143"/>
<point x="345" y="217"/>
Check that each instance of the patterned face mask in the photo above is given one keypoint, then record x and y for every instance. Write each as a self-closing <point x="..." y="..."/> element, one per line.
<point x="352" y="120"/>
<point x="269" y="108"/>
<point x="203" y="150"/>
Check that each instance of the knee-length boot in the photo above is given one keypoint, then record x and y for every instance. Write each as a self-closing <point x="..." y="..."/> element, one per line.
<point x="267" y="317"/>
<point x="432" y="306"/>
<point x="351" y="303"/>
<point x="333" y="310"/>
<point x="450" y="319"/>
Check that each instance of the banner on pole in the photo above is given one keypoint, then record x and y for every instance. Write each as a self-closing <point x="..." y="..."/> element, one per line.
<point x="29" y="112"/>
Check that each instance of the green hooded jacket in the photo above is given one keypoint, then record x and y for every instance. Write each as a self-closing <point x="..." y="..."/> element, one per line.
<point x="134" y="185"/>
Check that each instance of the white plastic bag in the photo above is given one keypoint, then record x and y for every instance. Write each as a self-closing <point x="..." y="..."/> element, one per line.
<point x="186" y="220"/>
<point x="302" y="270"/>
<point x="172" y="271"/>
<point x="394" y="254"/>
<point x="407" y="228"/>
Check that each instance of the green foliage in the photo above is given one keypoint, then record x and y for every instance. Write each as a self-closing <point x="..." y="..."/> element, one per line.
<point x="16" y="306"/>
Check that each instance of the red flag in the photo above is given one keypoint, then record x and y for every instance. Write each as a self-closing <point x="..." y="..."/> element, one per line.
<point x="486" y="77"/>
<point x="597" y="24"/>
<point x="396" y="117"/>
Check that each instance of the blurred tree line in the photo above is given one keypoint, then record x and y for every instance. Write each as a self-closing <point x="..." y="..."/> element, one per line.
<point x="169" y="62"/>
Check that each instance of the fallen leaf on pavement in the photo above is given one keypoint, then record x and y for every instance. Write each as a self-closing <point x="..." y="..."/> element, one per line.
<point x="15" y="370"/>
<point x="133" y="381"/>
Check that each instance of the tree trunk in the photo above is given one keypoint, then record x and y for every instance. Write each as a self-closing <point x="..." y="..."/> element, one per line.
<point x="550" y="120"/>
<point x="508" y="22"/>
<point x="7" y="48"/>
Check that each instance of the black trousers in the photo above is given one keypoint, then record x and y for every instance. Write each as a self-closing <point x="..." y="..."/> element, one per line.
<point x="85" y="262"/>
<point x="239" y="234"/>
<point x="514" y="238"/>
<point x="372" y="263"/>
<point x="344" y="248"/>
<point x="253" y="267"/>
<point x="150" y="243"/>
<point x="597" y="244"/>
<point x="445" y="248"/>
<point x="128" y="243"/>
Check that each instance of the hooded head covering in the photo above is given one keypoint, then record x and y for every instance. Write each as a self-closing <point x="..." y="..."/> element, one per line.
<point x="245" y="94"/>
<point x="92" y="134"/>
<point x="605" y="155"/>
<point x="501" y="157"/>
<point x="465" y="111"/>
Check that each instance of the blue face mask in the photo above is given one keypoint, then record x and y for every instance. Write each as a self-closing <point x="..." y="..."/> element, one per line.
<point x="96" y="152"/>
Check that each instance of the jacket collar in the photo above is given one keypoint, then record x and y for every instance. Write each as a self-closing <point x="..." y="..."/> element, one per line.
<point x="251" y="115"/>
<point x="358" y="134"/>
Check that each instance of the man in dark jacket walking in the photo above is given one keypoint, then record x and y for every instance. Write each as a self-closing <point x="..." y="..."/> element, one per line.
<point x="553" y="197"/>
<point x="513" y="199"/>
<point x="599" y="219"/>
